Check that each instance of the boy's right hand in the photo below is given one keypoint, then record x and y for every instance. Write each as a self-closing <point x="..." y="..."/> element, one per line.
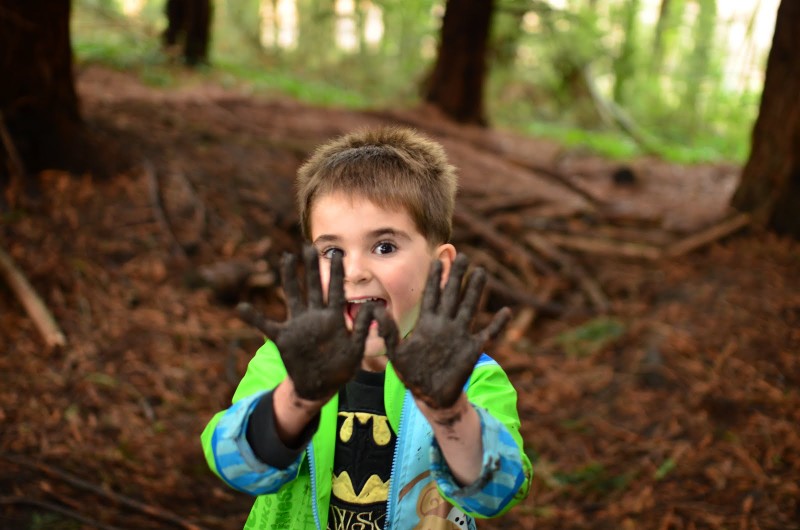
<point x="319" y="353"/>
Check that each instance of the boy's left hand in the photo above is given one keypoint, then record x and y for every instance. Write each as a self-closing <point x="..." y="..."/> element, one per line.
<point x="436" y="360"/>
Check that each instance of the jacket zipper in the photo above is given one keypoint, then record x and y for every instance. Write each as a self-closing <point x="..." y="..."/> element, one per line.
<point x="313" y="472"/>
<point x="393" y="484"/>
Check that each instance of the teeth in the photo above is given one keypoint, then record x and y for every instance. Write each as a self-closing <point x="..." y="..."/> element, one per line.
<point x="363" y="300"/>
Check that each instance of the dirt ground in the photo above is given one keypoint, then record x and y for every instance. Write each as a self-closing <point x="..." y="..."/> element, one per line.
<point x="656" y="390"/>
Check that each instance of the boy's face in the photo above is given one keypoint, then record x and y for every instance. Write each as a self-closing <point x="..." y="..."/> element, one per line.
<point x="385" y="259"/>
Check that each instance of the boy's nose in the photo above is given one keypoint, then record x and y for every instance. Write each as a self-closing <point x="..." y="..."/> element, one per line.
<point x="355" y="270"/>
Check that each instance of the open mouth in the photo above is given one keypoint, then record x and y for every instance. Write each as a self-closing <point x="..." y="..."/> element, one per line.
<point x="354" y="306"/>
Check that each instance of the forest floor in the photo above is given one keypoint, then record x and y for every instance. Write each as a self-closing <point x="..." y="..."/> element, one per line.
<point x="659" y="382"/>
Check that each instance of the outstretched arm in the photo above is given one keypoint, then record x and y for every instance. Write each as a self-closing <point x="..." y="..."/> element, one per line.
<point x="437" y="359"/>
<point x="319" y="353"/>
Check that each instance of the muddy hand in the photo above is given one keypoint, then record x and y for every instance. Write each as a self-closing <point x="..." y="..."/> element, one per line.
<point x="436" y="360"/>
<point x="319" y="353"/>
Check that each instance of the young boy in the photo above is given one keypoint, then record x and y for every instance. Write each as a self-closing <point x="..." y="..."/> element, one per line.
<point x="372" y="406"/>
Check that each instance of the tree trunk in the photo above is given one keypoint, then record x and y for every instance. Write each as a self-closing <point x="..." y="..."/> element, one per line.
<point x="770" y="183"/>
<point x="698" y="62"/>
<point x="457" y="81"/>
<point x="38" y="102"/>
<point x="625" y="63"/>
<point x="658" y="37"/>
<point x="189" y="25"/>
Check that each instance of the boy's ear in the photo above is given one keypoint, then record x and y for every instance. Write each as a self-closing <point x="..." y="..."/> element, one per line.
<point x="445" y="253"/>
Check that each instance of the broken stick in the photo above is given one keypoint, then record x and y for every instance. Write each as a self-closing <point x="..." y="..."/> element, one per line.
<point x="32" y="303"/>
<point x="158" y="208"/>
<point x="606" y="247"/>
<point x="77" y="482"/>
<point x="571" y="268"/>
<point x="709" y="235"/>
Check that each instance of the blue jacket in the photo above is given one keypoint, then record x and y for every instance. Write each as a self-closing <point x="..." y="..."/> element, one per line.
<point x="299" y="496"/>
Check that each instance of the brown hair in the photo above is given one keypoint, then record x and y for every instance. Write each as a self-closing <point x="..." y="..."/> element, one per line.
<point x="393" y="167"/>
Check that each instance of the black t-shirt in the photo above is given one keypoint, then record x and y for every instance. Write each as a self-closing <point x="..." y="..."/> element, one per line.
<point x="362" y="462"/>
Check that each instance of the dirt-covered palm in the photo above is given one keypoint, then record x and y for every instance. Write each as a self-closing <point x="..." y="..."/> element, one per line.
<point x="319" y="352"/>
<point x="436" y="360"/>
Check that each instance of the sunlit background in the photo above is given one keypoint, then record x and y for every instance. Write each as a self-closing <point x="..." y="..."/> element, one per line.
<point x="687" y="79"/>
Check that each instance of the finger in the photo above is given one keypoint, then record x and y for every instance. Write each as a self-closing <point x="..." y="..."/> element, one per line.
<point x="336" y="283"/>
<point x="361" y="325"/>
<point x="313" y="283"/>
<point x="251" y="316"/>
<point x="494" y="328"/>
<point x="452" y="290"/>
<point x="430" y="298"/>
<point x="475" y="284"/>
<point x="290" y="286"/>
<point x="387" y="329"/>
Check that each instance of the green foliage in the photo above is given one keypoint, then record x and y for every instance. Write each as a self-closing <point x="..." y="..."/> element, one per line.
<point x="665" y="468"/>
<point x="554" y="66"/>
<point x="593" y="477"/>
<point x="591" y="337"/>
<point x="51" y="521"/>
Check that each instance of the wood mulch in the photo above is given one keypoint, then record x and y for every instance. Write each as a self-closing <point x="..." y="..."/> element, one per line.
<point x="654" y="344"/>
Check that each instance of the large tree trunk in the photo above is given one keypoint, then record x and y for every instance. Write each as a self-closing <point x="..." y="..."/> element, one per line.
<point x="770" y="183"/>
<point x="456" y="83"/>
<point x="189" y="25"/>
<point x="38" y="102"/>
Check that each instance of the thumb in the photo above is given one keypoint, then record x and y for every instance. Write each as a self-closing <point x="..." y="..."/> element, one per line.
<point x="250" y="315"/>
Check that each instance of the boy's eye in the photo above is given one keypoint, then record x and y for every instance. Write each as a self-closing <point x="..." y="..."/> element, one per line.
<point x="328" y="253"/>
<point x="384" y="247"/>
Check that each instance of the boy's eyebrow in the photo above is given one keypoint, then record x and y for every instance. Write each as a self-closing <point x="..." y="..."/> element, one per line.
<point x="381" y="232"/>
<point x="373" y="234"/>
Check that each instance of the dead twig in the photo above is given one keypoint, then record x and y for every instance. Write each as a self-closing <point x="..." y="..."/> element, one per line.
<point x="606" y="247"/>
<point x="200" y="217"/>
<point x="501" y="203"/>
<point x="512" y="251"/>
<point x="524" y="298"/>
<point x="709" y="235"/>
<point x="502" y="281"/>
<point x="158" y="209"/>
<point x="499" y="270"/>
<point x="72" y="480"/>
<point x="556" y="177"/>
<point x="33" y="304"/>
<point x="572" y="269"/>
<point x="55" y="508"/>
<point x="16" y="168"/>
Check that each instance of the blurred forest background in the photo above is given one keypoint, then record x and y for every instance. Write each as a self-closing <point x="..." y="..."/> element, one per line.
<point x="677" y="78"/>
<point x="629" y="178"/>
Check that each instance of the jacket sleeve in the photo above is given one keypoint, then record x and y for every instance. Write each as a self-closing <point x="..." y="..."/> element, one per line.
<point x="224" y="439"/>
<point x="506" y="470"/>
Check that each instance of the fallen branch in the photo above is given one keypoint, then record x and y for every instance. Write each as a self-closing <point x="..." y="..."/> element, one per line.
<point x="541" y="306"/>
<point x="605" y="246"/>
<point x="55" y="508"/>
<point x="509" y="248"/>
<point x="33" y="304"/>
<point x="158" y="209"/>
<point x="200" y="217"/>
<point x="499" y="270"/>
<point x="518" y="327"/>
<point x="79" y="483"/>
<point x="708" y="236"/>
<point x="572" y="269"/>
<point x="505" y="202"/>
<point x="16" y="168"/>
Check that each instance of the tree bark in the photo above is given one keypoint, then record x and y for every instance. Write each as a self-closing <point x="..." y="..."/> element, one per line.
<point x="457" y="82"/>
<point x="38" y="102"/>
<point x="770" y="184"/>
<point x="189" y="25"/>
